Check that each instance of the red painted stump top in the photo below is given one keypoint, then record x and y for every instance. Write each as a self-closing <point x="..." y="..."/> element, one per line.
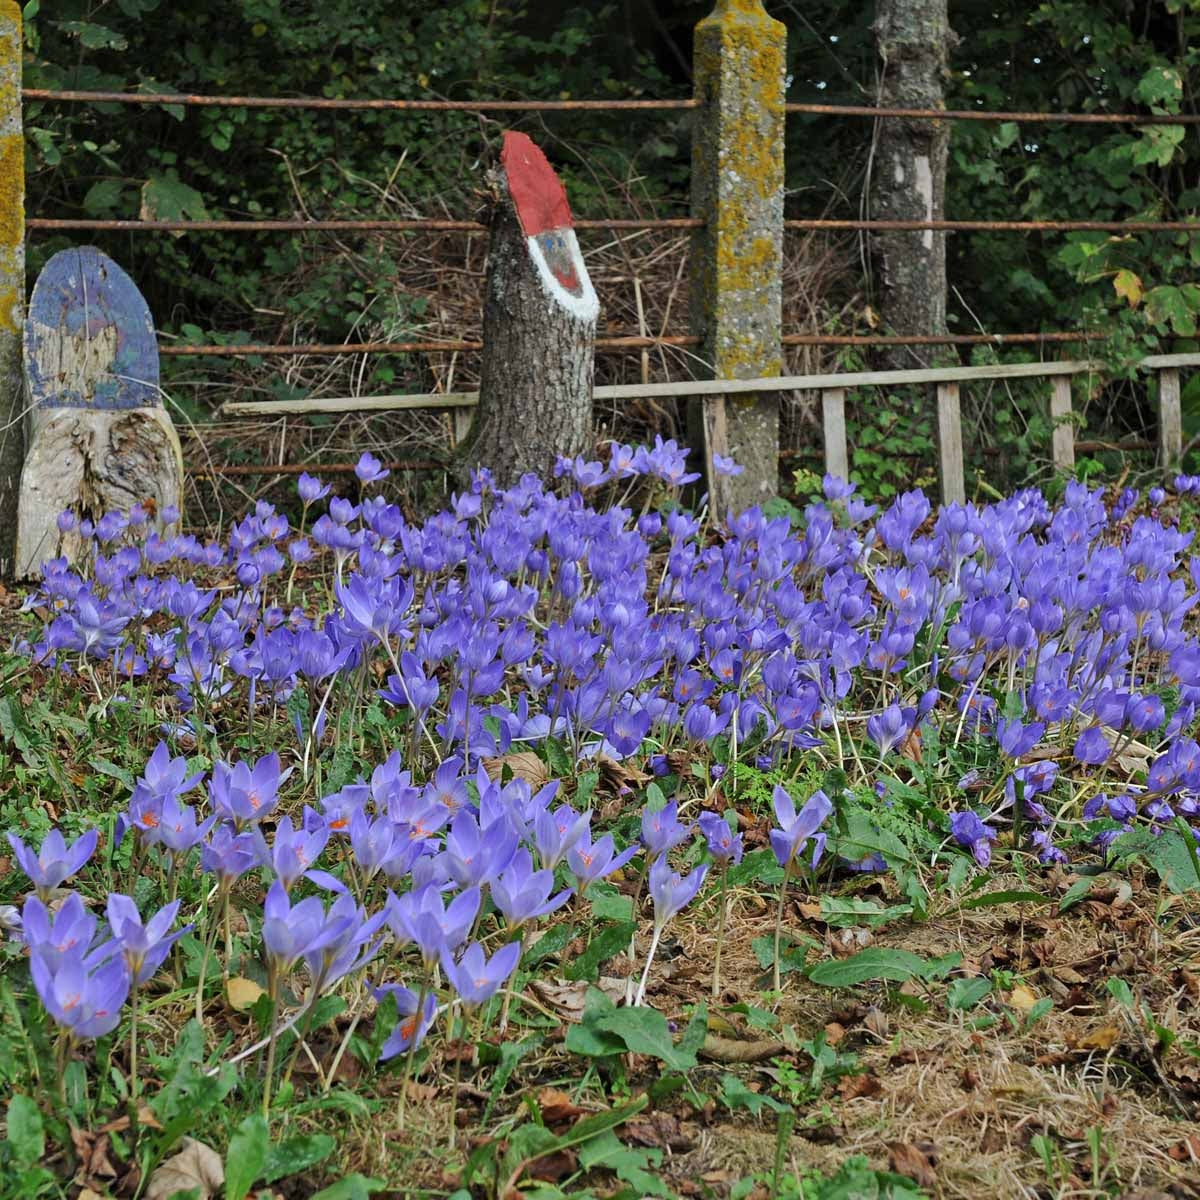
<point x="536" y="190"/>
<point x="541" y="203"/>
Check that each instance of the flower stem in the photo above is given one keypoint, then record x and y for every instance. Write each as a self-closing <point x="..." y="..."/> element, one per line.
<point x="716" y="980"/>
<point x="641" y="992"/>
<point x="273" y="993"/>
<point x="779" y="924"/>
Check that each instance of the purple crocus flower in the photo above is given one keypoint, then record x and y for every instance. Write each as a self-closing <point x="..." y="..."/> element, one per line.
<point x="436" y="928"/>
<point x="369" y="469"/>
<point x="311" y="489"/>
<point x="142" y="946"/>
<point x="55" y="861"/>
<point x="69" y="933"/>
<point x="723" y="844"/>
<point x="555" y="833"/>
<point x="410" y="1030"/>
<point x="477" y="978"/>
<point x="244" y="794"/>
<point x="589" y="861"/>
<point x="289" y="930"/>
<point x="1092" y="746"/>
<point x="177" y="827"/>
<point x="971" y="832"/>
<point x="523" y="894"/>
<point x="293" y="852"/>
<point x="228" y="854"/>
<point x="723" y="465"/>
<point x="795" y="829"/>
<point x="662" y="830"/>
<point x="476" y="856"/>
<point x="345" y="942"/>
<point x="670" y="891"/>
<point x="84" y="999"/>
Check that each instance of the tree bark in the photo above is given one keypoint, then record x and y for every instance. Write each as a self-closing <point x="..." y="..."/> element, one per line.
<point x="908" y="173"/>
<point x="535" y="384"/>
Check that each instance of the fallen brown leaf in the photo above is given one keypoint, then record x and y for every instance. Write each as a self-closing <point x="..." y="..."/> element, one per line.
<point x="195" y="1166"/>
<point x="1187" y="1150"/>
<point x="854" y="1087"/>
<point x="524" y="764"/>
<point x="914" y="1159"/>
<point x="732" y="1050"/>
<point x="1104" y="1038"/>
<point x="557" y="1108"/>
<point x="243" y="994"/>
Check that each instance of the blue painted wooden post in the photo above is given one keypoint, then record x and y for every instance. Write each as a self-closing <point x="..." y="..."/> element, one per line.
<point x="100" y="440"/>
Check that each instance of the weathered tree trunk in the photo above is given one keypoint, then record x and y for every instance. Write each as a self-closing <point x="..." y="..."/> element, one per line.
<point x="12" y="278"/>
<point x="539" y="327"/>
<point x="908" y="173"/>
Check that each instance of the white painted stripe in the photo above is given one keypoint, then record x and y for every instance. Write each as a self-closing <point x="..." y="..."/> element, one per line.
<point x="584" y="307"/>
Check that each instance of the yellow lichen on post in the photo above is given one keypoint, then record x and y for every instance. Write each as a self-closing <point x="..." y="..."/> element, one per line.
<point x="12" y="275"/>
<point x="737" y="190"/>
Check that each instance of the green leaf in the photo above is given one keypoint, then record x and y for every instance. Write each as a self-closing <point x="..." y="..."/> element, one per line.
<point x="735" y="1094"/>
<point x="610" y="905"/>
<point x="296" y="1154"/>
<point x="103" y="196"/>
<point x="167" y="198"/>
<point x="1006" y="135"/>
<point x="842" y="911"/>
<point x="1120" y="991"/>
<point x="605" y="945"/>
<point x="874" y="963"/>
<point x="992" y="899"/>
<point x="353" y="1187"/>
<point x="645" y="1031"/>
<point x="26" y="1132"/>
<point x="793" y="954"/>
<point x="1160" y="85"/>
<point x="246" y="1157"/>
<point x="92" y="36"/>
<point x="966" y="993"/>
<point x="585" y="1038"/>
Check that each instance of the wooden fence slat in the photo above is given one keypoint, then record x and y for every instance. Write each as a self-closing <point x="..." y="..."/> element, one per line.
<point x="1063" y="435"/>
<point x="1170" y="423"/>
<point x="833" y="412"/>
<point x="950" y="444"/>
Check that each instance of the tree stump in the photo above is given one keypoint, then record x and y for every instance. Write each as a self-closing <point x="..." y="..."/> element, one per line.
<point x="98" y="438"/>
<point x="539" y="326"/>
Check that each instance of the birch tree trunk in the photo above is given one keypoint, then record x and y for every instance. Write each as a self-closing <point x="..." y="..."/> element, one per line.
<point x="913" y="40"/>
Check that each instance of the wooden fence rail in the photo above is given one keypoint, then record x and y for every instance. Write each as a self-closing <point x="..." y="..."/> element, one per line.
<point x="833" y="389"/>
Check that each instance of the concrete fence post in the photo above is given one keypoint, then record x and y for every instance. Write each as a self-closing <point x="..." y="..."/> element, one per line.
<point x="12" y="277"/>
<point x="740" y="65"/>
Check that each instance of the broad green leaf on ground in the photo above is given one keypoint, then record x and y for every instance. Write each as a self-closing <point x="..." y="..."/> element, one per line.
<point x="877" y="962"/>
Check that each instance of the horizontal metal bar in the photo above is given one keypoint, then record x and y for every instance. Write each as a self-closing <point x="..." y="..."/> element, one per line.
<point x="433" y="225"/>
<point x="319" y="349"/>
<point x="945" y="339"/>
<point x="51" y="224"/>
<point x="300" y="349"/>
<point x="1001" y="226"/>
<point x="972" y="114"/>
<point x="190" y="100"/>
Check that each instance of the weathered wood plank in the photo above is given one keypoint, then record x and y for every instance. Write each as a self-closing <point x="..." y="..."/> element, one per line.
<point x="833" y="416"/>
<point x="682" y="387"/>
<point x="950" y="444"/>
<point x="1063" y="436"/>
<point x="1170" y="423"/>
